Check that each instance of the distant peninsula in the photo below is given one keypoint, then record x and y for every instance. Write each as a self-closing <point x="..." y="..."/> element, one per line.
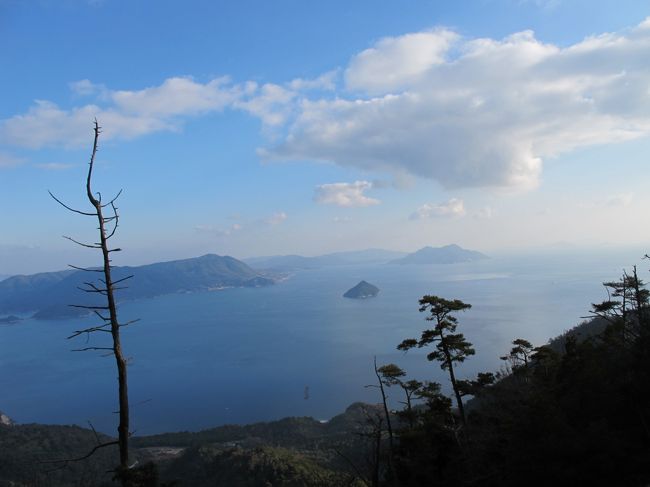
<point x="449" y="254"/>
<point x="49" y="295"/>
<point x="362" y="290"/>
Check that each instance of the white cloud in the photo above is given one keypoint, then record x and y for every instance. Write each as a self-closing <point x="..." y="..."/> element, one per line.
<point x="271" y="104"/>
<point x="127" y="114"/>
<point x="485" y="114"/>
<point x="7" y="160"/>
<point x="45" y="124"/>
<point x="450" y="209"/>
<point x="464" y="112"/>
<point x="55" y="166"/>
<point x="276" y="218"/>
<point x="395" y="62"/>
<point x="219" y="232"/>
<point x="177" y="96"/>
<point x="345" y="194"/>
<point x="326" y="81"/>
<point x="85" y="87"/>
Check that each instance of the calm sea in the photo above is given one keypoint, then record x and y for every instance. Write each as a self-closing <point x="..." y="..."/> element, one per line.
<point x="297" y="348"/>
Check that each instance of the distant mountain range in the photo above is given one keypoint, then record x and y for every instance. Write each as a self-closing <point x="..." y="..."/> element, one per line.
<point x="449" y="254"/>
<point x="294" y="262"/>
<point x="50" y="294"/>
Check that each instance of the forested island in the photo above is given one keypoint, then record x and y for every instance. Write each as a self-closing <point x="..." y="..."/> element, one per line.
<point x="51" y="294"/>
<point x="362" y="290"/>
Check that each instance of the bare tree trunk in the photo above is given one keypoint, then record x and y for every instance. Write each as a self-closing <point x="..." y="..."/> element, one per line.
<point x="123" y="427"/>
<point x="452" y="378"/>
<point x="106" y="289"/>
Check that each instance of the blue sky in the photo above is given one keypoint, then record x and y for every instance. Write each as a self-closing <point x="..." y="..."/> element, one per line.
<point x="264" y="127"/>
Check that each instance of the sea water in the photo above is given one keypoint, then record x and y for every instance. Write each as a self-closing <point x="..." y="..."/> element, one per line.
<point x="297" y="348"/>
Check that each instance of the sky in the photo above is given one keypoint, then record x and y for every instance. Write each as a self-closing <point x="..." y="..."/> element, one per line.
<point x="255" y="128"/>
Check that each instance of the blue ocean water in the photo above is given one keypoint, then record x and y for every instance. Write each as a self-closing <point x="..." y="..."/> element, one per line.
<point x="296" y="348"/>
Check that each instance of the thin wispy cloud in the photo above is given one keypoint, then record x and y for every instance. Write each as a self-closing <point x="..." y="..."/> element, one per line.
<point x="341" y="219"/>
<point x="276" y="218"/>
<point x="8" y="160"/>
<point x="55" y="166"/>
<point x="449" y="209"/>
<point x="218" y="231"/>
<point x="345" y="194"/>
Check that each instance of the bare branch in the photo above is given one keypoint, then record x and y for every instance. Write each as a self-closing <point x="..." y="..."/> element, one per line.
<point x="122" y="325"/>
<point x="114" y="217"/>
<point x="87" y="307"/>
<point x="69" y="208"/>
<point x="110" y="203"/>
<point x="87" y="455"/>
<point x="92" y="329"/>
<point x="123" y="279"/>
<point x="95" y="432"/>
<point x="92" y="348"/>
<point x="84" y="269"/>
<point x="100" y="291"/>
<point x="90" y="284"/>
<point x="101" y="316"/>
<point x="90" y="246"/>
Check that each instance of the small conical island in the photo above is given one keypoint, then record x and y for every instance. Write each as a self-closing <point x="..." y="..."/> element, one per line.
<point x="362" y="290"/>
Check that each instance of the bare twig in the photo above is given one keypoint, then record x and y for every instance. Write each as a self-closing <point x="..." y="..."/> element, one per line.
<point x="69" y="208"/>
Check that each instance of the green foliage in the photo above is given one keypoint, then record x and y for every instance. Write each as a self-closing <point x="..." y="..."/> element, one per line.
<point x="30" y="454"/>
<point x="450" y="347"/>
<point x="259" y="467"/>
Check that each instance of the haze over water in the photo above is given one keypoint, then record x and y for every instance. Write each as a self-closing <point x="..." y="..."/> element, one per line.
<point x="296" y="348"/>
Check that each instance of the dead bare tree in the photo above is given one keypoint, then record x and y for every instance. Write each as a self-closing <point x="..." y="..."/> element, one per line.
<point x="106" y="312"/>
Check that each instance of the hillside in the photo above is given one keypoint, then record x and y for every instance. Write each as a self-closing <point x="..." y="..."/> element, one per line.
<point x="48" y="294"/>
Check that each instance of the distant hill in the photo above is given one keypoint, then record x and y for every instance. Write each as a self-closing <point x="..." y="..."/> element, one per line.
<point x="449" y="254"/>
<point x="294" y="262"/>
<point x="49" y="294"/>
<point x="361" y="291"/>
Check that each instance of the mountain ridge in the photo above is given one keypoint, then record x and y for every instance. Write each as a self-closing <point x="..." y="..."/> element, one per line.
<point x="295" y="262"/>
<point x="447" y="254"/>
<point x="45" y="293"/>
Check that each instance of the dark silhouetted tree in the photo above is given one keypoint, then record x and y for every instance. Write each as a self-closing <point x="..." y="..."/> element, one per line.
<point x="392" y="375"/>
<point x="450" y="347"/>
